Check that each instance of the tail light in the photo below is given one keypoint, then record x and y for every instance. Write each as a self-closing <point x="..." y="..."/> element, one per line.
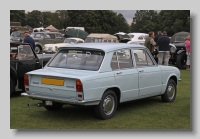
<point x="26" y="81"/>
<point x="79" y="87"/>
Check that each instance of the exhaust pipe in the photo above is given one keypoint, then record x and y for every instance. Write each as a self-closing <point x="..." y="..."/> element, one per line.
<point x="39" y="105"/>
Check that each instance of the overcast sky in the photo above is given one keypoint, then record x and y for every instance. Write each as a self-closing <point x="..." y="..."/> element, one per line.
<point x="128" y="14"/>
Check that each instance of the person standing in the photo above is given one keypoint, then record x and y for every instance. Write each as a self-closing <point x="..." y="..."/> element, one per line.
<point x="164" y="49"/>
<point x="11" y="30"/>
<point x="28" y="39"/>
<point x="187" y="45"/>
<point x="149" y="41"/>
<point x="158" y="36"/>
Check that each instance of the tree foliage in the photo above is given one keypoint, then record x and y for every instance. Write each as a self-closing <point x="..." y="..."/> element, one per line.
<point x="107" y="21"/>
<point x="171" y="21"/>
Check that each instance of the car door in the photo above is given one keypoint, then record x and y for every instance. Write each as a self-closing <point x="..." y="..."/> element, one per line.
<point x="150" y="77"/>
<point x="59" y="38"/>
<point x="26" y="61"/>
<point x="49" y="38"/>
<point x="126" y="75"/>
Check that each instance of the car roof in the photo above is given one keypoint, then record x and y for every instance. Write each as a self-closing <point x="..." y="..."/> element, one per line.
<point x="107" y="47"/>
<point x="48" y="32"/>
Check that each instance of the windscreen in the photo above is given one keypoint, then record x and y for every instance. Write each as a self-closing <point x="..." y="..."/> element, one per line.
<point x="80" y="59"/>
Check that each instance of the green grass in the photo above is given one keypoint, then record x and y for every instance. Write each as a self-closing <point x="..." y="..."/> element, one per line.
<point x="150" y="113"/>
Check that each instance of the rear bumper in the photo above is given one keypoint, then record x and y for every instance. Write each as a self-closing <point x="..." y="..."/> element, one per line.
<point x="66" y="101"/>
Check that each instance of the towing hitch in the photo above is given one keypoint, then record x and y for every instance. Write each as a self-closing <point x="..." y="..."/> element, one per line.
<point x="38" y="104"/>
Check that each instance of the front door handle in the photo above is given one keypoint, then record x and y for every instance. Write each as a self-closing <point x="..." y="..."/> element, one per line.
<point x="119" y="73"/>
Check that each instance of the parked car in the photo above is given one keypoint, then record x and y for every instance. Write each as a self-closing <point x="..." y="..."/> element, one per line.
<point x="52" y="48"/>
<point x="138" y="37"/>
<point x="100" y="37"/>
<point x="102" y="75"/>
<point x="42" y="38"/>
<point x="17" y="36"/>
<point x="23" y="59"/>
<point x="179" y="57"/>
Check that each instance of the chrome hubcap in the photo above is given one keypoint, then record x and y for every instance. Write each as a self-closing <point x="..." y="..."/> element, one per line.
<point x="171" y="91"/>
<point x="108" y="105"/>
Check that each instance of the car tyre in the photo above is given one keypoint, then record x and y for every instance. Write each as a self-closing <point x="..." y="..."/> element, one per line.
<point x="181" y="60"/>
<point x="37" y="49"/>
<point x="170" y="92"/>
<point x="56" y="106"/>
<point x="107" y="106"/>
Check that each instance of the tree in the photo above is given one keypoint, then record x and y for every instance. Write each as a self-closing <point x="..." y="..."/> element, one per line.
<point x="35" y="19"/>
<point x="18" y="16"/>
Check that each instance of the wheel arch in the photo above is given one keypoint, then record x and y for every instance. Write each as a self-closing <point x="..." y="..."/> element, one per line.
<point x="173" y="77"/>
<point x="117" y="92"/>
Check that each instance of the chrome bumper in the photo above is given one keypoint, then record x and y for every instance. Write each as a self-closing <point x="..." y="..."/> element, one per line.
<point x="67" y="101"/>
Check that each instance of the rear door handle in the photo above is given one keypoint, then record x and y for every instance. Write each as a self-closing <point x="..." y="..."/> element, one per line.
<point x="119" y="73"/>
<point x="141" y="71"/>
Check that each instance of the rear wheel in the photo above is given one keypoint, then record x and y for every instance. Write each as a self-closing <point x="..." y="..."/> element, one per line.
<point x="56" y="106"/>
<point x="37" y="49"/>
<point x="107" y="106"/>
<point x="181" y="60"/>
<point x="170" y="92"/>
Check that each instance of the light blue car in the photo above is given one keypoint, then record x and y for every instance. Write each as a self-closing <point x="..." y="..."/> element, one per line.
<point x="102" y="75"/>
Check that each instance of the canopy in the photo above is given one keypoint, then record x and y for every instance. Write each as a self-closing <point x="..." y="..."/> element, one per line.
<point x="51" y="28"/>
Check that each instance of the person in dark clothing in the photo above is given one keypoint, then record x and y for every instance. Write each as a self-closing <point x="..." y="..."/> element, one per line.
<point x="11" y="30"/>
<point x="157" y="36"/>
<point x="164" y="49"/>
<point x="28" y="39"/>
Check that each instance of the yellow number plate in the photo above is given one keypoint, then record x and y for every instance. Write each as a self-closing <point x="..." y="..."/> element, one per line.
<point x="51" y="81"/>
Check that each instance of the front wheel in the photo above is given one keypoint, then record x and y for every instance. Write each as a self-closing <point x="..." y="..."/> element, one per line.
<point x="170" y="92"/>
<point x="107" y="106"/>
<point x="56" y="106"/>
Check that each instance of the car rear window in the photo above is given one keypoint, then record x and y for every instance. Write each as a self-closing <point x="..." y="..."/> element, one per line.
<point x="81" y="59"/>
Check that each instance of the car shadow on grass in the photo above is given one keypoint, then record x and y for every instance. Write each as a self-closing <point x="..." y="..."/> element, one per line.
<point x="71" y="112"/>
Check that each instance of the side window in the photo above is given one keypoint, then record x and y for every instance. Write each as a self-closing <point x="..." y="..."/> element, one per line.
<point x="52" y="36"/>
<point x="142" y="58"/>
<point x="58" y="36"/>
<point x="37" y="35"/>
<point x="140" y="37"/>
<point x="114" y="62"/>
<point x="80" y="41"/>
<point x="122" y="59"/>
<point x="25" y="53"/>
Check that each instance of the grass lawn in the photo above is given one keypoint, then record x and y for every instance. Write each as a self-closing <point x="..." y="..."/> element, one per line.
<point x="150" y="113"/>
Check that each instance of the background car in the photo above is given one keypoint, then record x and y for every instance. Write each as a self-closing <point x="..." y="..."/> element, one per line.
<point x="17" y="36"/>
<point x="101" y="75"/>
<point x="138" y="37"/>
<point x="42" y="38"/>
<point x="52" y="48"/>
<point x="178" y="57"/>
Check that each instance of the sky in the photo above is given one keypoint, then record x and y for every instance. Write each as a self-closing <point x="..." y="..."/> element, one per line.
<point x="128" y="14"/>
